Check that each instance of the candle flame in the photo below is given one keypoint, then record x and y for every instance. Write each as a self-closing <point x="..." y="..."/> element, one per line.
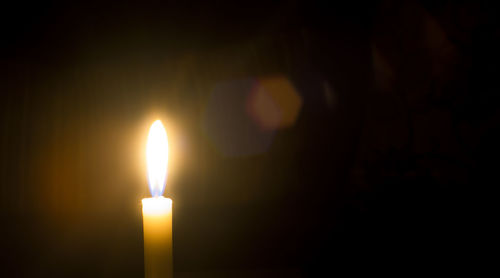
<point x="157" y="158"/>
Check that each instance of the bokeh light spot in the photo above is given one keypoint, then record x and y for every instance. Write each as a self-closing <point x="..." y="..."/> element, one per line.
<point x="274" y="103"/>
<point x="227" y="124"/>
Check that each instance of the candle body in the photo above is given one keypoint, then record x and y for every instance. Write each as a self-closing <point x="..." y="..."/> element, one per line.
<point x="157" y="223"/>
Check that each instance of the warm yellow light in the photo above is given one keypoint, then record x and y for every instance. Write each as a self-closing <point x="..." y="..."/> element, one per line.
<point x="157" y="158"/>
<point x="156" y="206"/>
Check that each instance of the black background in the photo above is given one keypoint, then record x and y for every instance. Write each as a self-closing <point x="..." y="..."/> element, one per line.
<point x="388" y="166"/>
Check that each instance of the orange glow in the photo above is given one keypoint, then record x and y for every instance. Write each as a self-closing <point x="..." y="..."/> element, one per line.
<point x="286" y="97"/>
<point x="157" y="158"/>
<point x="275" y="103"/>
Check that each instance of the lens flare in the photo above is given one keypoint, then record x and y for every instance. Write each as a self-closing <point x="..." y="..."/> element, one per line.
<point x="157" y="158"/>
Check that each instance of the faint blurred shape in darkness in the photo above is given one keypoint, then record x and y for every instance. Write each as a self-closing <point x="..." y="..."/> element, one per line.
<point x="228" y="125"/>
<point x="274" y="103"/>
<point x="330" y="95"/>
<point x="383" y="72"/>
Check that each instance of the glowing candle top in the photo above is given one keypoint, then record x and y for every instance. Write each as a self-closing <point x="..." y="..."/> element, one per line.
<point x="157" y="158"/>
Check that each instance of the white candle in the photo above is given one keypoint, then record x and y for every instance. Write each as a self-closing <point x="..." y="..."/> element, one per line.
<point x="157" y="219"/>
<point x="157" y="211"/>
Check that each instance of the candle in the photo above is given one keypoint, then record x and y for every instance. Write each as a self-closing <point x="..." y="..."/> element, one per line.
<point x="157" y="211"/>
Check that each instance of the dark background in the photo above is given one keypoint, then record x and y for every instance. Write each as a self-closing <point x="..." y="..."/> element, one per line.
<point x="386" y="167"/>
